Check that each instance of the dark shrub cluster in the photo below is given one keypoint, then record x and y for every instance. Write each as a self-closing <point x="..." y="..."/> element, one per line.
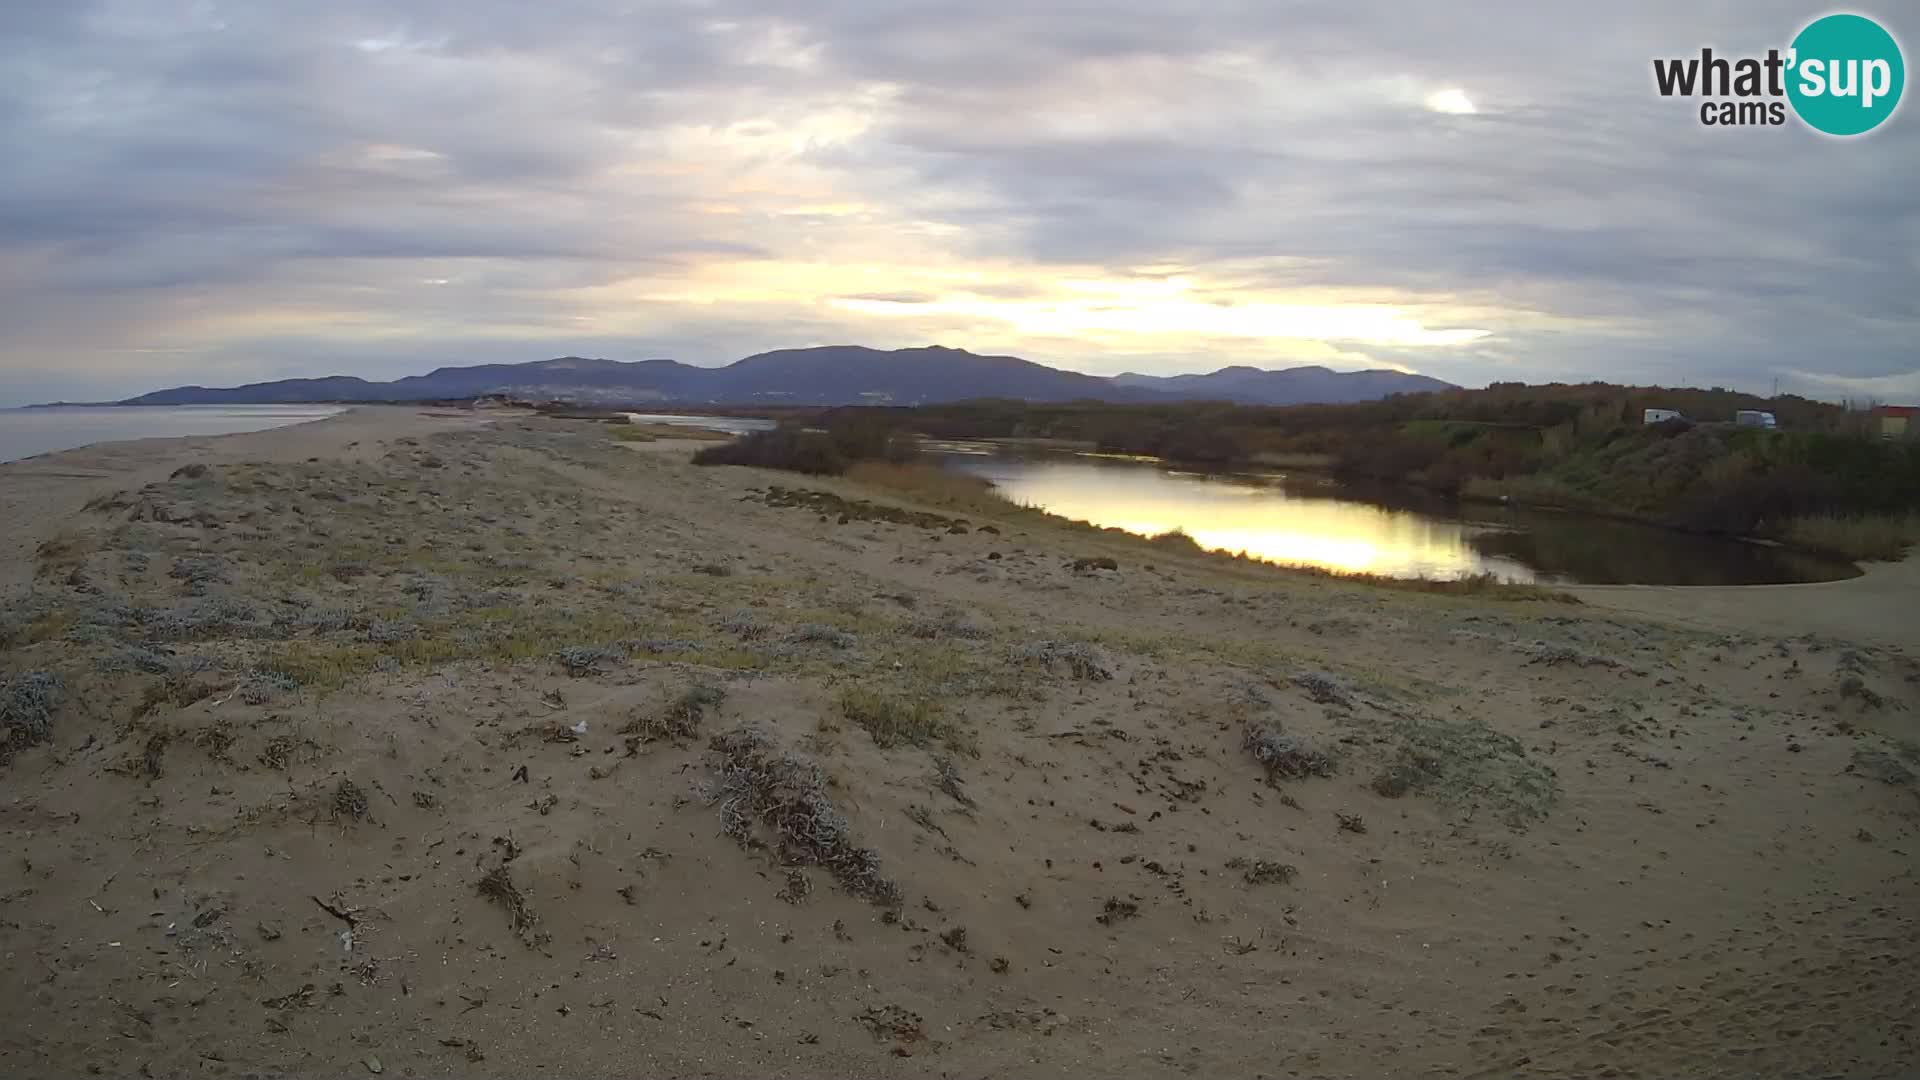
<point x="821" y="452"/>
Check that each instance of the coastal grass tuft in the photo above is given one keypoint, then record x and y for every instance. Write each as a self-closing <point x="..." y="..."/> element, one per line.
<point x="1865" y="538"/>
<point x="178" y="690"/>
<point x="319" y="666"/>
<point x="681" y="719"/>
<point x="1469" y="764"/>
<point x="932" y="485"/>
<point x="1085" y="662"/>
<point x="894" y="720"/>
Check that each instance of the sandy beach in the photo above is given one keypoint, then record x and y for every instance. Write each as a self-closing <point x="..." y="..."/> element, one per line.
<point x="1882" y="605"/>
<point x="435" y="743"/>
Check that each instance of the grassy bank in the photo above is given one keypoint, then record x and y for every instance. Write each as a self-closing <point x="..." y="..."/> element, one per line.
<point x="1571" y="447"/>
<point x="631" y="432"/>
<point x="961" y="493"/>
<point x="1881" y="538"/>
<point x="1825" y="485"/>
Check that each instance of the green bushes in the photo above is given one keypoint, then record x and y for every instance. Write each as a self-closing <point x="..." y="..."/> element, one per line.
<point x="1715" y="479"/>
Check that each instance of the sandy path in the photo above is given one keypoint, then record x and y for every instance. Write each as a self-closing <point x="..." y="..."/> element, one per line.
<point x="1881" y="606"/>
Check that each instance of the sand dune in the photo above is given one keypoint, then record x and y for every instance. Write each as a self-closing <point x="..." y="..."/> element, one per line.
<point x="416" y="744"/>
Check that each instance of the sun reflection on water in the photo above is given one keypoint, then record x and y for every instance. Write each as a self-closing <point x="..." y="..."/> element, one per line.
<point x="1261" y="520"/>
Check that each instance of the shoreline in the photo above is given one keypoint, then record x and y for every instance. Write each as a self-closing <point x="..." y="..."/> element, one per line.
<point x="1384" y="495"/>
<point x="1318" y="465"/>
<point x="1253" y="467"/>
<point x="38" y="494"/>
<point x="1878" y="606"/>
<point x="30" y="434"/>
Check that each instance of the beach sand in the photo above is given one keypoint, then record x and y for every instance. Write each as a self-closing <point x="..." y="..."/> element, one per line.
<point x="1881" y="605"/>
<point x="386" y="744"/>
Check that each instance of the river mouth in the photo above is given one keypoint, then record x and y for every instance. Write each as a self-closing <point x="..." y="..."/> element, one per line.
<point x="1305" y="519"/>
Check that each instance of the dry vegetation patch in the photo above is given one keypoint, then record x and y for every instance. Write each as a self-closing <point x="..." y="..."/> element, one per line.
<point x="894" y="720"/>
<point x="779" y="800"/>
<point x="26" y="711"/>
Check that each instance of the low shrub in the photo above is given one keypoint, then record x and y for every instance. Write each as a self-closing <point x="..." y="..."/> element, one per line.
<point x="782" y="448"/>
<point x="26" y="711"/>
<point x="1284" y="755"/>
<point x="1470" y="764"/>
<point x="680" y="720"/>
<point x="1085" y="662"/>
<point x="772" y="799"/>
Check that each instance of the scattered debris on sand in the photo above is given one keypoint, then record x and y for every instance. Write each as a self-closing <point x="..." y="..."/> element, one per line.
<point x="497" y="885"/>
<point x="756" y="776"/>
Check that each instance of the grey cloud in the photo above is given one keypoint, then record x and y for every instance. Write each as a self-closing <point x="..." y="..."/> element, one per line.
<point x="246" y="154"/>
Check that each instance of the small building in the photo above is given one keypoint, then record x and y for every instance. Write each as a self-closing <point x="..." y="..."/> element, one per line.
<point x="1898" y="421"/>
<point x="1755" y="418"/>
<point x="1660" y="416"/>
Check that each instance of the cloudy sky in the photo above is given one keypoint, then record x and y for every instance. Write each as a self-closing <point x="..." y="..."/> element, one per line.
<point x="218" y="191"/>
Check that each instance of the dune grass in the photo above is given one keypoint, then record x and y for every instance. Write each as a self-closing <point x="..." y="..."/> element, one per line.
<point x="896" y="721"/>
<point x="1873" y="537"/>
<point x="932" y="485"/>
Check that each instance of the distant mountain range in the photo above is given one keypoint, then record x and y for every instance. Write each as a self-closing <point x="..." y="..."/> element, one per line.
<point x="830" y="375"/>
<point x="1287" y="386"/>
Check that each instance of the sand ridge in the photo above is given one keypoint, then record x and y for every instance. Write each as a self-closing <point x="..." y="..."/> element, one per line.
<point x="403" y="759"/>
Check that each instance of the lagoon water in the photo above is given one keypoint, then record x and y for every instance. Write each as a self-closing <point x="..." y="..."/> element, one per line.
<point x="1308" y="521"/>
<point x="27" y="432"/>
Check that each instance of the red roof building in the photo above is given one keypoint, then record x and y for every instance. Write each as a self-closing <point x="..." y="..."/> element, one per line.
<point x="1898" y="421"/>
